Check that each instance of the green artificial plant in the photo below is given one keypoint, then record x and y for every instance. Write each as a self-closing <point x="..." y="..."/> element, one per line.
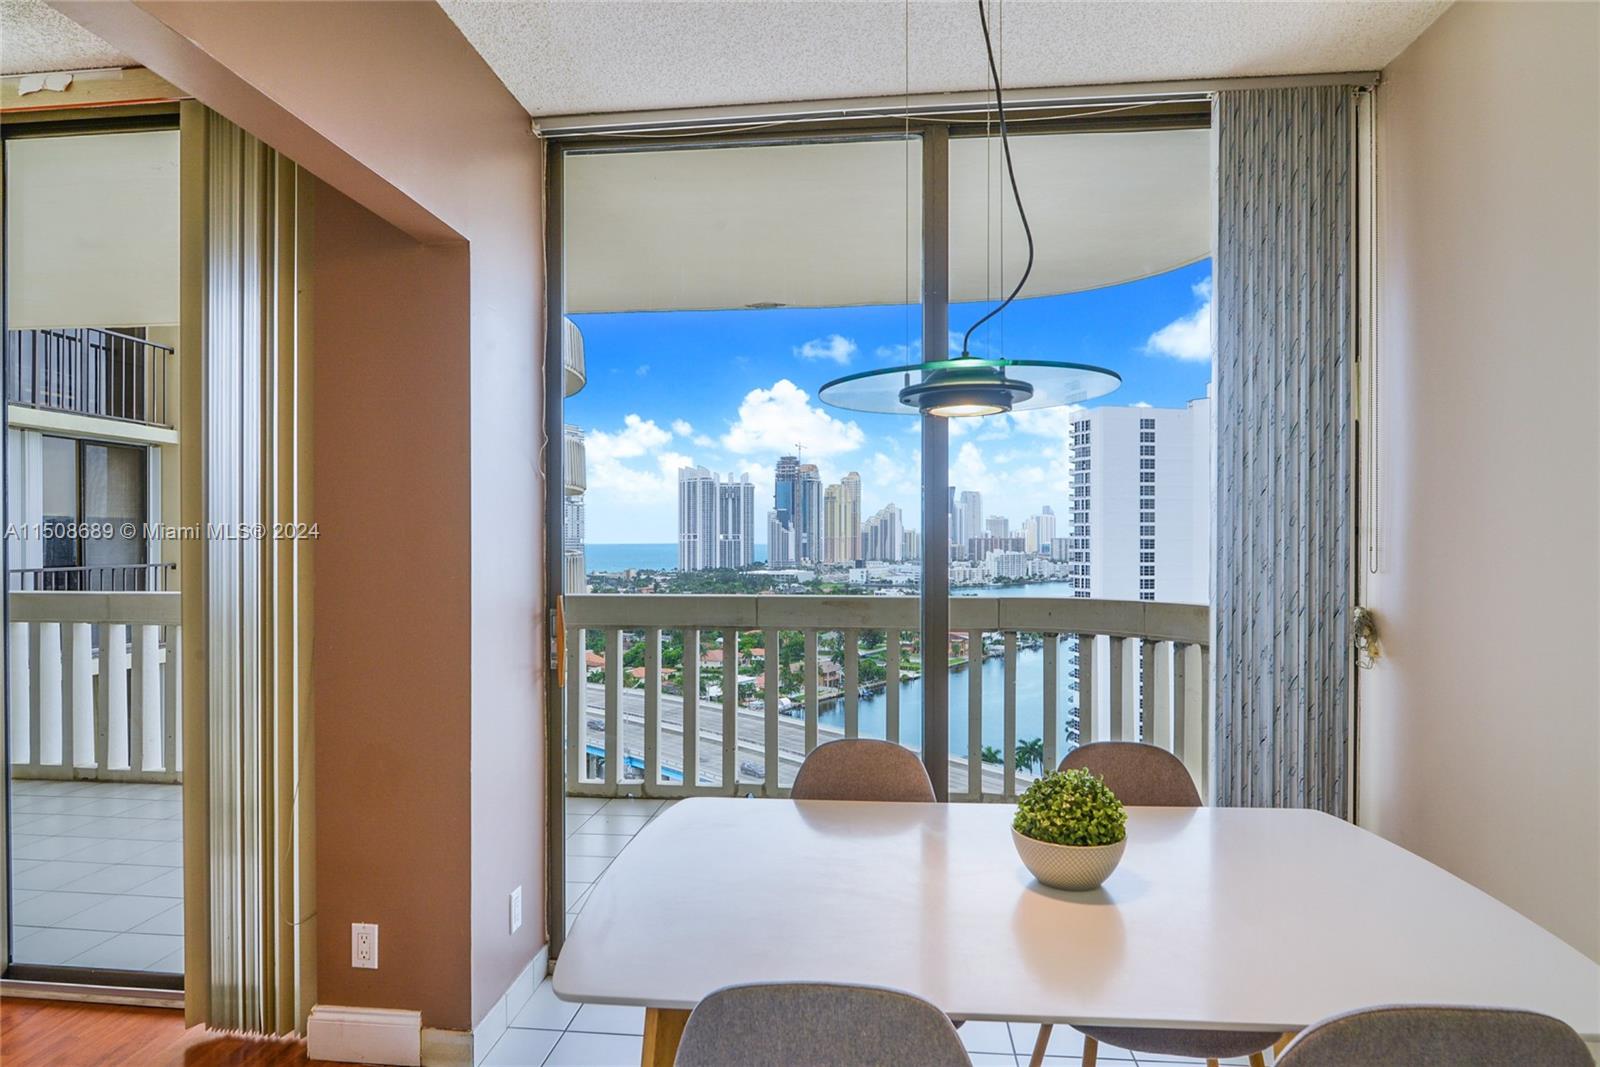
<point x="1071" y="808"/>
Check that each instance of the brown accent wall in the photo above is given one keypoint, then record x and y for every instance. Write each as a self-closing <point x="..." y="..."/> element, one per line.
<point x="392" y="648"/>
<point x="430" y="336"/>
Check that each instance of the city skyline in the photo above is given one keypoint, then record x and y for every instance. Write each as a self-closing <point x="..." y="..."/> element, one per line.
<point x="733" y="390"/>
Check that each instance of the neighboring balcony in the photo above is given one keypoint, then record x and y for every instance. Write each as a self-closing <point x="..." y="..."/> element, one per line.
<point x="103" y="578"/>
<point x="810" y="669"/>
<point x="576" y="470"/>
<point x="98" y="373"/>
<point x="574" y="578"/>
<point x="575" y="376"/>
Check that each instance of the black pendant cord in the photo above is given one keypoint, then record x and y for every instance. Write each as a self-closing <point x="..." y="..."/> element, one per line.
<point x="1011" y="173"/>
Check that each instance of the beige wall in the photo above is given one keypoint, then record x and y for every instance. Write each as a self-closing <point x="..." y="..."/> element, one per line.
<point x="1480" y="728"/>
<point x="388" y="104"/>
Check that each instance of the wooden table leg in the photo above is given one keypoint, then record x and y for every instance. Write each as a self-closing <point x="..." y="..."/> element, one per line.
<point x="663" y="1029"/>
<point x="1282" y="1043"/>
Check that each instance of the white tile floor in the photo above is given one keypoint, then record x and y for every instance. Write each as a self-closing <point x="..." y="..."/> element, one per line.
<point x="550" y="1033"/>
<point x="97" y="875"/>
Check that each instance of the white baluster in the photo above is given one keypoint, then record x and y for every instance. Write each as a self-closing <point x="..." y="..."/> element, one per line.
<point x="652" y="709"/>
<point x="691" y="708"/>
<point x="19" y="694"/>
<point x="80" y="659"/>
<point x="147" y="693"/>
<point x="52" y="717"/>
<point x="1010" y="717"/>
<point x="114" y="687"/>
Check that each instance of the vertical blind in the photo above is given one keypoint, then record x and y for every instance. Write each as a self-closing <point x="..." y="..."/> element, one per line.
<point x="1284" y="365"/>
<point x="253" y="964"/>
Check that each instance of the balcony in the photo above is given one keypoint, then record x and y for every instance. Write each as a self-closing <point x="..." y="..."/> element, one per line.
<point x="576" y="472"/>
<point x="574" y="376"/>
<point x="98" y="373"/>
<point x="749" y="738"/>
<point x="96" y="761"/>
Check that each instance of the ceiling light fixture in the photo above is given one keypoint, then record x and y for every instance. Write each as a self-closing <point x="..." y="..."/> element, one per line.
<point x="967" y="386"/>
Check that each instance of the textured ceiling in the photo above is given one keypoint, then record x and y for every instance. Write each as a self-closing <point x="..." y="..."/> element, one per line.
<point x="34" y="38"/>
<point x="834" y="225"/>
<point x="562" y="57"/>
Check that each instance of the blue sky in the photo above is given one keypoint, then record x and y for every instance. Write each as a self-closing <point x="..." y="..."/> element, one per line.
<point x="732" y="390"/>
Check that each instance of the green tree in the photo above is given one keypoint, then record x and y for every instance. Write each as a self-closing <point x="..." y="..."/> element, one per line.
<point x="1030" y="754"/>
<point x="992" y="755"/>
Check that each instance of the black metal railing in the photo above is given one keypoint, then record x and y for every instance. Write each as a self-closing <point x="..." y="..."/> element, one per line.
<point x="88" y="371"/>
<point x="104" y="578"/>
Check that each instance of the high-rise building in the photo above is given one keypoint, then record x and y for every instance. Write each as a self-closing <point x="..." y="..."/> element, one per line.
<point x="736" y="522"/>
<point x="883" y="539"/>
<point x="997" y="526"/>
<point x="841" y="520"/>
<point x="716" y="520"/>
<point x="781" y="547"/>
<point x="912" y="550"/>
<point x="807" y="514"/>
<point x="850" y="504"/>
<point x="1039" y="530"/>
<point x="1140" y="526"/>
<point x="697" y="519"/>
<point x="780" y="541"/>
<point x="968" y="519"/>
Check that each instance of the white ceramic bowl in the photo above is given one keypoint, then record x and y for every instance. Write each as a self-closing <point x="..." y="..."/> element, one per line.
<point x="1072" y="867"/>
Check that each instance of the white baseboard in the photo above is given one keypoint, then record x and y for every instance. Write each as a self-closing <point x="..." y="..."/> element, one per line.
<point x="397" y="1038"/>
<point x="389" y="1036"/>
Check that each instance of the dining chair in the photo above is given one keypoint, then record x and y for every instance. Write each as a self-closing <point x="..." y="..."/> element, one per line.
<point x="819" y="1024"/>
<point x="1146" y="776"/>
<point x="862" y="768"/>
<point x="1437" y="1036"/>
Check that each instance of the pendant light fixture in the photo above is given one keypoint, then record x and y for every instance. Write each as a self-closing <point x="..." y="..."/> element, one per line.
<point x="967" y="386"/>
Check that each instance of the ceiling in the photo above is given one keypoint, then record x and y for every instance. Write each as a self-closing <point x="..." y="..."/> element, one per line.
<point x="561" y="58"/>
<point x="35" y="38"/>
<point x="698" y="228"/>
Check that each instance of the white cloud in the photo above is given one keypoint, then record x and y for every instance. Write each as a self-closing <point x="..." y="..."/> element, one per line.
<point x="703" y="441"/>
<point x="834" y="347"/>
<point x="1188" y="337"/>
<point x="613" y="473"/>
<point x="682" y="428"/>
<point x="899" y="353"/>
<point x="642" y="369"/>
<point x="774" y="421"/>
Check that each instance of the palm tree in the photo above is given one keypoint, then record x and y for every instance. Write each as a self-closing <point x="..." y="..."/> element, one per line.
<point x="1030" y="754"/>
<point x="991" y="754"/>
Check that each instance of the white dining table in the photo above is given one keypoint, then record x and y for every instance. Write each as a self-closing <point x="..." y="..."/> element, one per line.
<point x="1236" y="918"/>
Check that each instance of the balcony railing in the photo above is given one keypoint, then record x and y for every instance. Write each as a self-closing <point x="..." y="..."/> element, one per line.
<point x="102" y="373"/>
<point x="106" y="578"/>
<point x="572" y="358"/>
<point x="1140" y="668"/>
<point x="577" y="474"/>
<point x="94" y="686"/>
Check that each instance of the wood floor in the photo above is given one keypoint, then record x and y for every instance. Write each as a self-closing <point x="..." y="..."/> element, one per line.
<point x="42" y="1033"/>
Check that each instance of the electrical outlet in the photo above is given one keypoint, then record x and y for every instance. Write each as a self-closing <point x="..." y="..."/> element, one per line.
<point x="364" y="945"/>
<point x="516" y="909"/>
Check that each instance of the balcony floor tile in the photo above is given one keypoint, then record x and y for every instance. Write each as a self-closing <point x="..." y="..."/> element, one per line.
<point x="97" y="876"/>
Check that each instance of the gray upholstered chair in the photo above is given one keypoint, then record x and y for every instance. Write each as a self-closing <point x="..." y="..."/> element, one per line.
<point x="1428" y="1036"/>
<point x="818" y="1024"/>
<point x="1147" y="776"/>
<point x="862" y="768"/>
